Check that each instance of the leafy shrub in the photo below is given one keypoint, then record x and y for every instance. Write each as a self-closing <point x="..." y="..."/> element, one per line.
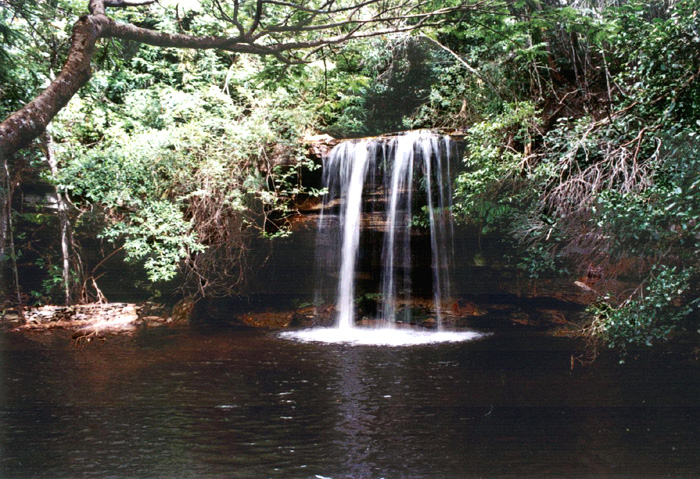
<point x="659" y="309"/>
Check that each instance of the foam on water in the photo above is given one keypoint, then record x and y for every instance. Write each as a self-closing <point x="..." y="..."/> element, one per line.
<point x="393" y="337"/>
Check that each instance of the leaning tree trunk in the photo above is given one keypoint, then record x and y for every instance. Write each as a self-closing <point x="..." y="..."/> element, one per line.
<point x="19" y="130"/>
<point x="259" y="38"/>
<point x="28" y="123"/>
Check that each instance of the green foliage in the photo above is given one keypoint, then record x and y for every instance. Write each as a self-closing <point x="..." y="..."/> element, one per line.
<point x="183" y="173"/>
<point x="663" y="220"/>
<point x="170" y="138"/>
<point x="580" y="124"/>
<point x="661" y="309"/>
<point x="34" y="42"/>
<point x="657" y="56"/>
<point x="373" y="86"/>
<point x="599" y="167"/>
<point x="493" y="159"/>
<point x="52" y="286"/>
<point x="660" y="224"/>
<point x="421" y="220"/>
<point x="181" y="156"/>
<point x="510" y="52"/>
<point x="158" y="234"/>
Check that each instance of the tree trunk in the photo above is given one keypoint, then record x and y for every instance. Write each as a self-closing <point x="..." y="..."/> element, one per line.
<point x="8" y="255"/>
<point x="28" y="123"/>
<point x="64" y="223"/>
<point x="5" y="211"/>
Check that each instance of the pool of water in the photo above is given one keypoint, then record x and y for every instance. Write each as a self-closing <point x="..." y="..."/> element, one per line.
<point x="228" y="403"/>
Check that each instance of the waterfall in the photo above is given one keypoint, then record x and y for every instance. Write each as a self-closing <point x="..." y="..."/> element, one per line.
<point x="352" y="174"/>
<point x="414" y="171"/>
<point x="399" y="192"/>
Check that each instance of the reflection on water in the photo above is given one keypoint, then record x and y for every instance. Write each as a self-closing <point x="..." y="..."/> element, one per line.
<point x="246" y="404"/>
<point x="358" y="413"/>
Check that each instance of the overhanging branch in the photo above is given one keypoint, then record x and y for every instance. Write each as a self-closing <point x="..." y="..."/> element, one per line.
<point x="22" y="127"/>
<point x="128" y="3"/>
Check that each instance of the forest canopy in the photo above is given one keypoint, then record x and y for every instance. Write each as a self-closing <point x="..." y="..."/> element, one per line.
<point x="173" y="131"/>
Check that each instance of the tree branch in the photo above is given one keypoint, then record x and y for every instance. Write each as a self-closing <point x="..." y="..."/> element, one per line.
<point x="127" y="31"/>
<point x="256" y="19"/>
<point x="128" y="3"/>
<point x="22" y="127"/>
<point x="29" y="122"/>
<point x="466" y="65"/>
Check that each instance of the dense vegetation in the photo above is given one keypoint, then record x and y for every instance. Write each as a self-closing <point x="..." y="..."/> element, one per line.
<point x="580" y="122"/>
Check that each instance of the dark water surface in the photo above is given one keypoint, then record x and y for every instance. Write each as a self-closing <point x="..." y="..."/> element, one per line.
<point x="227" y="403"/>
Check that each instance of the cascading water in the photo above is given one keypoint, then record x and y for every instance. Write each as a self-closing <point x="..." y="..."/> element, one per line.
<point x="400" y="190"/>
<point x="352" y="169"/>
<point x="378" y="189"/>
<point x="346" y="178"/>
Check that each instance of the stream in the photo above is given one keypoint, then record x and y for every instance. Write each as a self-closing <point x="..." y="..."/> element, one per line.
<point x="220" y="402"/>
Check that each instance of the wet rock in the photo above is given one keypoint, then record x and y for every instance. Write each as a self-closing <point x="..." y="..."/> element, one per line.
<point x="311" y="316"/>
<point x="551" y="316"/>
<point x="523" y="319"/>
<point x="151" y="321"/>
<point x="429" y="323"/>
<point x="320" y="145"/>
<point x="11" y="316"/>
<point x="585" y="287"/>
<point x="91" y="320"/>
<point x="323" y="315"/>
<point x="267" y="319"/>
<point x="150" y="308"/>
<point x="562" y="290"/>
<point x="462" y="308"/>
<point x="540" y="318"/>
<point x="367" y="305"/>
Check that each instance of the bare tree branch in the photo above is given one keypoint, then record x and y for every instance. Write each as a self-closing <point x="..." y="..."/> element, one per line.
<point x="256" y="19"/>
<point x="127" y="31"/>
<point x="29" y="122"/>
<point x="128" y="3"/>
